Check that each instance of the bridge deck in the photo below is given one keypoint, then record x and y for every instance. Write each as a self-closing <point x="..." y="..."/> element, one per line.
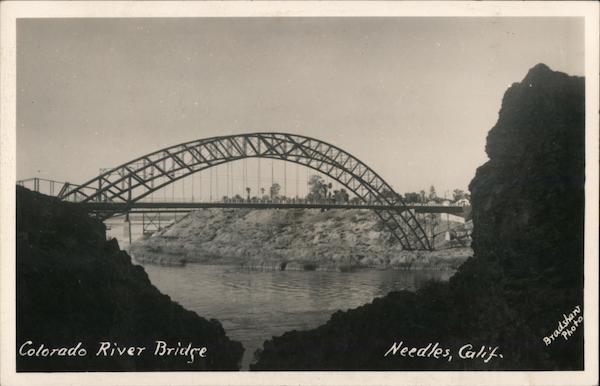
<point x="141" y="207"/>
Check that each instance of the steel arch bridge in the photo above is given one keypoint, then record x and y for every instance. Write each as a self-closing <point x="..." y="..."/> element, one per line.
<point x="136" y="179"/>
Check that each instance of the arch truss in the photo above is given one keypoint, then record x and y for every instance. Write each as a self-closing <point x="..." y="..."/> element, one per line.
<point x="138" y="178"/>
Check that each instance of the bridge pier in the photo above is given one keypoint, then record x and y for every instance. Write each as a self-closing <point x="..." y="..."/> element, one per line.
<point x="127" y="220"/>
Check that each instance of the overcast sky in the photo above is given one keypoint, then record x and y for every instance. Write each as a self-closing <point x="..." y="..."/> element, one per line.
<point x="412" y="97"/>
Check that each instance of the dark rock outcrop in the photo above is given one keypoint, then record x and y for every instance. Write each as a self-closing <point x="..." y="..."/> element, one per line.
<point x="527" y="268"/>
<point x="74" y="286"/>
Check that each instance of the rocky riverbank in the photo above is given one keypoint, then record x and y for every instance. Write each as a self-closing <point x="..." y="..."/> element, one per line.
<point x="526" y="273"/>
<point x="75" y="289"/>
<point x="291" y="239"/>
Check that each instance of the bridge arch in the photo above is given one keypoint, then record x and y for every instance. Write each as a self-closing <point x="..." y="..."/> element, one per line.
<point x="138" y="178"/>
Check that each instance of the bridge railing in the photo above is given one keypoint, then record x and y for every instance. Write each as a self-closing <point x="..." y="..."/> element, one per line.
<point x="284" y="200"/>
<point x="255" y="200"/>
<point x="53" y="188"/>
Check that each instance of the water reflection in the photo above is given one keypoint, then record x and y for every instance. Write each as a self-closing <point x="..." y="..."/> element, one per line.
<point x="253" y="306"/>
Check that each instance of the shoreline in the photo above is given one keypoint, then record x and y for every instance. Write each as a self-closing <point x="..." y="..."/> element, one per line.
<point x="420" y="261"/>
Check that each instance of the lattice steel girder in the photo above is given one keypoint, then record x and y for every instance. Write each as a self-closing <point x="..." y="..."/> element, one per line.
<point x="151" y="172"/>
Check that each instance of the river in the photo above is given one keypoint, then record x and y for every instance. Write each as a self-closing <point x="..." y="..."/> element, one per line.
<point x="254" y="305"/>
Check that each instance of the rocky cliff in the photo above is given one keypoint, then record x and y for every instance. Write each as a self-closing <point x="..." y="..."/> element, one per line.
<point x="525" y="280"/>
<point x="289" y="239"/>
<point x="74" y="287"/>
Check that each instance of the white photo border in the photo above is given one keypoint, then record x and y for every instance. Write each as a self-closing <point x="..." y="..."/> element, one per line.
<point x="10" y="11"/>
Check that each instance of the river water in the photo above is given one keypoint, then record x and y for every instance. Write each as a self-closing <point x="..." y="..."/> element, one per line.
<point x="253" y="306"/>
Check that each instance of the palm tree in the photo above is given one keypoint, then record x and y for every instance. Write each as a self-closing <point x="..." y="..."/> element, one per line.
<point x="248" y="192"/>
